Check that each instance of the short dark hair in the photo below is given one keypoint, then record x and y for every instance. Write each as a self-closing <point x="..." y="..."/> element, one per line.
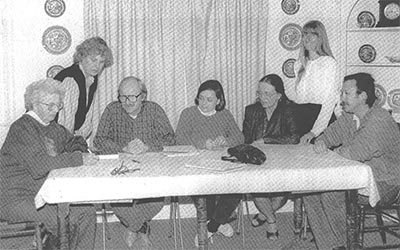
<point x="219" y="92"/>
<point x="364" y="83"/>
<point x="277" y="82"/>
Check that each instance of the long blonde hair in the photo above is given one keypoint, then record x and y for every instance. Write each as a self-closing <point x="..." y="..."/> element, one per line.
<point x="323" y="50"/>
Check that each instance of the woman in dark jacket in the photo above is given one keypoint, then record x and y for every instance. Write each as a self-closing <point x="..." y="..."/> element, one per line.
<point x="271" y="119"/>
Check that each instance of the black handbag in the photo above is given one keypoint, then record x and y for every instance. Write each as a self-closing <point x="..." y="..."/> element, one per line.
<point x="245" y="153"/>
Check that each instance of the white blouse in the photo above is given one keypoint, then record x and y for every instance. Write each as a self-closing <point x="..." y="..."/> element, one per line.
<point x="319" y="84"/>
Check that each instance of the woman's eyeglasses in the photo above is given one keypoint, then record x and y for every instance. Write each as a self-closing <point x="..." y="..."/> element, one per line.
<point x="53" y="106"/>
<point x="131" y="98"/>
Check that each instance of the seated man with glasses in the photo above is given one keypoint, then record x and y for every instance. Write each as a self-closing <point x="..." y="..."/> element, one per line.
<point x="134" y="125"/>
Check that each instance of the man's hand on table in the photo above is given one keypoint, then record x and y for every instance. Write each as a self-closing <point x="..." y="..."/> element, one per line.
<point x="89" y="159"/>
<point x="320" y="147"/>
<point x="218" y="144"/>
<point x="136" y="147"/>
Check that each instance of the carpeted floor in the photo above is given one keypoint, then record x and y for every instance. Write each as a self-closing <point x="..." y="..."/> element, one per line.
<point x="255" y="238"/>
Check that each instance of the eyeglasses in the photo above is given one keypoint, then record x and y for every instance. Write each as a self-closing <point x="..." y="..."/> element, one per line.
<point x="267" y="94"/>
<point x="53" y="106"/>
<point x="123" y="169"/>
<point x="131" y="98"/>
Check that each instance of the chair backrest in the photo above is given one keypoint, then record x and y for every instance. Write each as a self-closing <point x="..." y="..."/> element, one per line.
<point x="21" y="229"/>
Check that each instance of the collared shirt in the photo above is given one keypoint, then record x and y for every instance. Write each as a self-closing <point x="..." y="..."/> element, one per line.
<point x="117" y="128"/>
<point x="36" y="117"/>
<point x="375" y="142"/>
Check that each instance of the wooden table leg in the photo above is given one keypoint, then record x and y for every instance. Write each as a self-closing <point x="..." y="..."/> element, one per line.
<point x="352" y="219"/>
<point x="201" y="208"/>
<point x="63" y="225"/>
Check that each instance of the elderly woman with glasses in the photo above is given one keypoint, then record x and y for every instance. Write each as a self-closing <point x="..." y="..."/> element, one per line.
<point x="34" y="145"/>
<point x="270" y="119"/>
<point x="91" y="57"/>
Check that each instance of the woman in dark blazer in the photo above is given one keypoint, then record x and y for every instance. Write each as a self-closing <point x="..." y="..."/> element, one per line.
<point x="271" y="119"/>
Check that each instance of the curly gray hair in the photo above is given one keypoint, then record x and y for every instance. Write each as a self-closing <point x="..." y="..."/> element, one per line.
<point x="42" y="87"/>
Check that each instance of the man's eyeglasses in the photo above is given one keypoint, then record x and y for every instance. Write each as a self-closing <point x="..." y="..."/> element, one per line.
<point x="53" y="106"/>
<point x="131" y="98"/>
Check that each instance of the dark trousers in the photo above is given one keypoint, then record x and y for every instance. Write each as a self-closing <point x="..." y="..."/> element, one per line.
<point x="133" y="215"/>
<point x="220" y="208"/>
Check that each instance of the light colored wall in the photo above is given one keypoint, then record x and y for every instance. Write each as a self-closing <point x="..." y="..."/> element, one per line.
<point x="31" y="60"/>
<point x="329" y="12"/>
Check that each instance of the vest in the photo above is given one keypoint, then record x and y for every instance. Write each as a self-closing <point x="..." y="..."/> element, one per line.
<point x="75" y="72"/>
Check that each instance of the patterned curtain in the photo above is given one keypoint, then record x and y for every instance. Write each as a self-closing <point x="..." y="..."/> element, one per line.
<point x="175" y="45"/>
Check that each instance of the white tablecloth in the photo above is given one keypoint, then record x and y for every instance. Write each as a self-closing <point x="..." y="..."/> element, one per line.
<point x="287" y="168"/>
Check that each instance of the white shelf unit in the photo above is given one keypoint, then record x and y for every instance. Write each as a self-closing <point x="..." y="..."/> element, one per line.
<point x="385" y="40"/>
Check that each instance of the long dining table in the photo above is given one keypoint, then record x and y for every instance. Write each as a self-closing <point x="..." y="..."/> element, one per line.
<point x="288" y="168"/>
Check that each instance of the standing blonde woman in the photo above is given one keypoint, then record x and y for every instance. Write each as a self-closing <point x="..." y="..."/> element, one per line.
<point x="317" y="76"/>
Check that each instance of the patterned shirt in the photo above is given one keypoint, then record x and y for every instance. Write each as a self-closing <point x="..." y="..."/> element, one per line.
<point x="117" y="128"/>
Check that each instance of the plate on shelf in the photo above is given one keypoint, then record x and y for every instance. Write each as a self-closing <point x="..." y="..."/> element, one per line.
<point x="56" y="39"/>
<point x="288" y="68"/>
<point x="54" y="8"/>
<point x="290" y="36"/>
<point x="290" y="7"/>
<point x="53" y="71"/>
<point x="380" y="93"/>
<point x="366" y="19"/>
<point x="392" y="11"/>
<point x="367" y="53"/>
<point x="394" y="100"/>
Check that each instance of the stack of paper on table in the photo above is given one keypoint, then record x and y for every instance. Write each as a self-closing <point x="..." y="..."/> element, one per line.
<point x="181" y="150"/>
<point x="214" y="165"/>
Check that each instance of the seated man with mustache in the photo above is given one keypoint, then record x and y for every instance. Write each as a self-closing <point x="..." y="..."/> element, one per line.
<point x="364" y="133"/>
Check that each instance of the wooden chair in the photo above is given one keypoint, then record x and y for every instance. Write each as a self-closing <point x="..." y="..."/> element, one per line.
<point x="381" y="213"/>
<point x="21" y="229"/>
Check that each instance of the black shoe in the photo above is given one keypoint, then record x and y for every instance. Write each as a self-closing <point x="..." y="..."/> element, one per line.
<point x="272" y="236"/>
<point x="145" y="229"/>
<point x="51" y="242"/>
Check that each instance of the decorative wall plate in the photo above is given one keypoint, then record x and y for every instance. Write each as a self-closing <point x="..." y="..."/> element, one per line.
<point x="290" y="36"/>
<point x="367" y="53"/>
<point x="53" y="71"/>
<point x="56" y="39"/>
<point x="380" y="93"/>
<point x="366" y="19"/>
<point x="54" y="8"/>
<point x="394" y="100"/>
<point x="288" y="68"/>
<point x="290" y="7"/>
<point x="392" y="11"/>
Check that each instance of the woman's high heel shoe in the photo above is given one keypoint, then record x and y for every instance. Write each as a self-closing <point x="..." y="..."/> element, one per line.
<point x="272" y="235"/>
